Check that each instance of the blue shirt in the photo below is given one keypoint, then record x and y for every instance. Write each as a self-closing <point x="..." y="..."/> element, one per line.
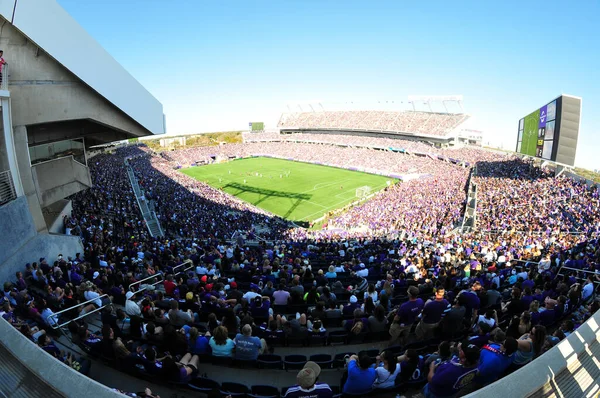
<point x="359" y="380"/>
<point x="493" y="363"/>
<point x="224" y="350"/>
<point x="247" y="347"/>
<point x="200" y="346"/>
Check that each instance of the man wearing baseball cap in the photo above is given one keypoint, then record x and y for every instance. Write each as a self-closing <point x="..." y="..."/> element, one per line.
<point x="307" y="384"/>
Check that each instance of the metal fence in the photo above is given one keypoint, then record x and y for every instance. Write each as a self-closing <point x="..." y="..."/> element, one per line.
<point x="7" y="187"/>
<point x="4" y="73"/>
<point x="53" y="319"/>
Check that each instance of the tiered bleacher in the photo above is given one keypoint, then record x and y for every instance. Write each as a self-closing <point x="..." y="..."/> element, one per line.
<point x="450" y="312"/>
<point x="418" y="123"/>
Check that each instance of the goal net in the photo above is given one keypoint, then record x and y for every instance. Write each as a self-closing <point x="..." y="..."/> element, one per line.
<point x="361" y="192"/>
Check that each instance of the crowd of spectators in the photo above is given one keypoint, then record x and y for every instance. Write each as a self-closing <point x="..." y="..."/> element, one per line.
<point x="421" y="123"/>
<point x="517" y="196"/>
<point x="493" y="301"/>
<point x="460" y="153"/>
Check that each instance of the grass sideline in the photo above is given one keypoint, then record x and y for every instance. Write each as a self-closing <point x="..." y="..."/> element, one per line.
<point x="296" y="191"/>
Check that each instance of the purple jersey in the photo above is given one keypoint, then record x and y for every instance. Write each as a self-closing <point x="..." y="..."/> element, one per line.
<point x="409" y="311"/>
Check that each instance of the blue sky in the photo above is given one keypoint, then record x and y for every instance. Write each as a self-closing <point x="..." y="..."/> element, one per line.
<point x="217" y="65"/>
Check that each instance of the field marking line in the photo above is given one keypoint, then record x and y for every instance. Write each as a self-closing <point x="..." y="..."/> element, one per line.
<point x="326" y="184"/>
<point x="335" y="205"/>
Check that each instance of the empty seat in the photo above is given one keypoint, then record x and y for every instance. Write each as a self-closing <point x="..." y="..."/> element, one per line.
<point x="203" y="384"/>
<point x="294" y="362"/>
<point x="263" y="391"/>
<point x="325" y="361"/>
<point x="269" y="361"/>
<point x="337" y="337"/>
<point x="234" y="389"/>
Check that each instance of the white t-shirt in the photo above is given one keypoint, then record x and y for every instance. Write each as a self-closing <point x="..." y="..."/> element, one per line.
<point x="587" y="291"/>
<point x="249" y="296"/>
<point x="373" y="296"/>
<point x="385" y="379"/>
<point x="46" y="313"/>
<point x="91" y="295"/>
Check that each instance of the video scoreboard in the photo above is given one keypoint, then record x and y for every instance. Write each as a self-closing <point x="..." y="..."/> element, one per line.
<point x="551" y="132"/>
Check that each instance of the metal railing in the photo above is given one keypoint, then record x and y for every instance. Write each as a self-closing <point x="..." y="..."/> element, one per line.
<point x="7" y="187"/>
<point x="190" y="266"/>
<point x="186" y="265"/>
<point x="56" y="325"/>
<point x="4" y="73"/>
<point x="141" y="289"/>
<point x="560" y="273"/>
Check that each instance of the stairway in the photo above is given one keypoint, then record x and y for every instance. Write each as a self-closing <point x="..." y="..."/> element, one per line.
<point x="146" y="207"/>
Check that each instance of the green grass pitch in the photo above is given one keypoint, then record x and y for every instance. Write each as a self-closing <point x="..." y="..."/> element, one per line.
<point x="293" y="190"/>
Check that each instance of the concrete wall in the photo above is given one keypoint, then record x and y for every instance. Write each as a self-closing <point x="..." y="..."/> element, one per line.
<point x="16" y="228"/>
<point x="29" y="186"/>
<point x="41" y="245"/>
<point x="42" y="90"/>
<point x="55" y="213"/>
<point x="48" y="25"/>
<point x="61" y="377"/>
<point x="59" y="178"/>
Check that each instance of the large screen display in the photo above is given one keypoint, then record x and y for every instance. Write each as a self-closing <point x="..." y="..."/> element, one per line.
<point x="538" y="132"/>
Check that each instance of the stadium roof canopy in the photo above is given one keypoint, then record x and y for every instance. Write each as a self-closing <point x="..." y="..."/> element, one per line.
<point x="49" y="27"/>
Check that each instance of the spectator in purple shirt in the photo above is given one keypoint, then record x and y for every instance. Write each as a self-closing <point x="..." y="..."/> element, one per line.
<point x="406" y="315"/>
<point x="448" y="378"/>
<point x="432" y="315"/>
<point x="281" y="296"/>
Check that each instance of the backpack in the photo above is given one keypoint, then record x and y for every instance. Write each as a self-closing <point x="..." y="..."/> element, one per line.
<point x="357" y="328"/>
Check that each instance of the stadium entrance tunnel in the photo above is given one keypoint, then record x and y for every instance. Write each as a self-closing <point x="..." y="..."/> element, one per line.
<point x="269" y="193"/>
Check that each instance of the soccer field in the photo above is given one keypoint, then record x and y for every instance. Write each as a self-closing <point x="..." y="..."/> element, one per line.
<point x="293" y="190"/>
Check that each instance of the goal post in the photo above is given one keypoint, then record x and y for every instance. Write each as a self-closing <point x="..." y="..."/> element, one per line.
<point x="363" y="191"/>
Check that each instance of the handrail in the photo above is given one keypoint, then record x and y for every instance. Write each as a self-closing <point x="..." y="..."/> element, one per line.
<point x="56" y="325"/>
<point x="162" y="275"/>
<point x="181" y="265"/>
<point x="4" y="85"/>
<point x="145" y="279"/>
<point x="7" y="187"/>
<point x="585" y="271"/>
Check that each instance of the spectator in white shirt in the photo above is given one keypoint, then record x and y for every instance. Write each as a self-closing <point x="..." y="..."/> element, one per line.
<point x="588" y="289"/>
<point x="131" y="307"/>
<point x="91" y="293"/>
<point x="201" y="269"/>
<point x="363" y="271"/>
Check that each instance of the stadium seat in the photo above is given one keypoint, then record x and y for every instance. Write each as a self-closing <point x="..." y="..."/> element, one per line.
<point x="356" y="338"/>
<point x="222" y="361"/>
<point x="339" y="361"/>
<point x="373" y="353"/>
<point x="332" y="322"/>
<point x="234" y="389"/>
<point x="264" y="391"/>
<point x="294" y="362"/>
<point x="323" y="360"/>
<point x="203" y="384"/>
<point x="316" y="340"/>
<point x="269" y="361"/>
<point x="337" y="337"/>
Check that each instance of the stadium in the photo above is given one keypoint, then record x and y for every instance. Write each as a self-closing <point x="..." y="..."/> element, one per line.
<point x="342" y="253"/>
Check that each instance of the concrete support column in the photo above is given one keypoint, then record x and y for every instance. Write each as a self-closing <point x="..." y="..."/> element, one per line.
<point x="29" y="188"/>
<point x="10" y="145"/>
